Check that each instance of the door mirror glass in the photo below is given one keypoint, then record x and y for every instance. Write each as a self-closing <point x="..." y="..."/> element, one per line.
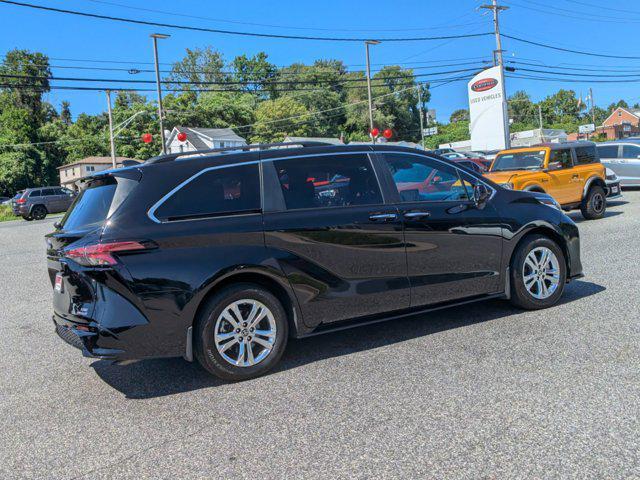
<point x="481" y="193"/>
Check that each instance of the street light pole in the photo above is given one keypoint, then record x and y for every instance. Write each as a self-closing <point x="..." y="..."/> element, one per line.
<point x="421" y="113"/>
<point x="111" y="139"/>
<point x="155" y="37"/>
<point x="366" y="45"/>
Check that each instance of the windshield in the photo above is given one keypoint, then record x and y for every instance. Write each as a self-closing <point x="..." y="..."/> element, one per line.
<point x="519" y="161"/>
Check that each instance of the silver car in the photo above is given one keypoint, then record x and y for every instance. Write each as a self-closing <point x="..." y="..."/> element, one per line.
<point x="623" y="157"/>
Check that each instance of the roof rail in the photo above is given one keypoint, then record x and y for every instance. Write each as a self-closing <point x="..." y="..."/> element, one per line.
<point x="242" y="148"/>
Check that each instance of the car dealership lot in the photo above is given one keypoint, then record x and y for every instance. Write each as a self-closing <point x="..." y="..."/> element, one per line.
<point x="477" y="391"/>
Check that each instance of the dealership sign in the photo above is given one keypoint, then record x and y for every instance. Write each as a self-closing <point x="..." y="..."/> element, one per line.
<point x="489" y="125"/>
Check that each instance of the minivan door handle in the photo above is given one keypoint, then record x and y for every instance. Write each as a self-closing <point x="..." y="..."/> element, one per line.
<point x="383" y="217"/>
<point x="416" y="215"/>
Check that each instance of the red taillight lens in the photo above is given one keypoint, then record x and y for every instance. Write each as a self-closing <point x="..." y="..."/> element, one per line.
<point x="21" y="200"/>
<point x="101" y="253"/>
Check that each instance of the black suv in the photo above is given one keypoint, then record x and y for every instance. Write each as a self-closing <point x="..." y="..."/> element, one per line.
<point x="222" y="256"/>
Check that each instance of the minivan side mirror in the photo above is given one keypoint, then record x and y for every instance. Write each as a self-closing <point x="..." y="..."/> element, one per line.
<point x="481" y="193"/>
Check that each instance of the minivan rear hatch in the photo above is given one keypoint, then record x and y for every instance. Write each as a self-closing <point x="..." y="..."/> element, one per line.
<point x="73" y="284"/>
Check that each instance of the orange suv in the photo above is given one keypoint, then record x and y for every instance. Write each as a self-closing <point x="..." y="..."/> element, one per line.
<point x="570" y="172"/>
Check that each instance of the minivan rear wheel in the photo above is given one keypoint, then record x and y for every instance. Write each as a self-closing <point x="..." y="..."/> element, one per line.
<point x="241" y="332"/>
<point x="538" y="273"/>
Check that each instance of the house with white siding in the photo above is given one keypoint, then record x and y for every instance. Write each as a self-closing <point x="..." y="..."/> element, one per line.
<point x="194" y="139"/>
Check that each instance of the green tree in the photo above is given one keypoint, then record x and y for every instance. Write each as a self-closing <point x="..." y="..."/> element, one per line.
<point x="274" y="120"/>
<point x="201" y="67"/>
<point x="461" y="115"/>
<point x="255" y="73"/>
<point x="65" y="113"/>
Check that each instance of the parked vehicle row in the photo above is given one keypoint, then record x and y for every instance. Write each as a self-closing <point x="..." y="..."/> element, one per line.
<point x="222" y="258"/>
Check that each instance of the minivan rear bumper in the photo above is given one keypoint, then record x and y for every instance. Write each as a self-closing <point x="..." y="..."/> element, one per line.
<point x="85" y="338"/>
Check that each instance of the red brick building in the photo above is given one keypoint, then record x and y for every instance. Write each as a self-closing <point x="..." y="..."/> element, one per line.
<point x="622" y="123"/>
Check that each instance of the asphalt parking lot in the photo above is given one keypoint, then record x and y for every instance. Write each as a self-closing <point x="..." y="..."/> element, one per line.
<point x="482" y="391"/>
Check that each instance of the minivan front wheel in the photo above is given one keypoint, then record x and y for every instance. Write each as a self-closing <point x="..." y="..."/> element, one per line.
<point x="241" y="332"/>
<point x="538" y="273"/>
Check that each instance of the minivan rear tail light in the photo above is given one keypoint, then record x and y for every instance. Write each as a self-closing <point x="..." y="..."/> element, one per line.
<point x="101" y="254"/>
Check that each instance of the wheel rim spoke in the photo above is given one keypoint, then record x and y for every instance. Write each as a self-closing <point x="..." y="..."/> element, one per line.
<point x="245" y="333"/>
<point x="541" y="273"/>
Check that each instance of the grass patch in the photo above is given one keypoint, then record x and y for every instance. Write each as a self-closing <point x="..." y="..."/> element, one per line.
<point x="6" y="213"/>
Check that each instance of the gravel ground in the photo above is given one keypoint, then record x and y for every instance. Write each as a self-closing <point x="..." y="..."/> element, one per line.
<point x="482" y="391"/>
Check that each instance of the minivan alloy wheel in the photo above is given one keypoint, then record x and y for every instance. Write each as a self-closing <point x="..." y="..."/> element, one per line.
<point x="245" y="332"/>
<point x="541" y="273"/>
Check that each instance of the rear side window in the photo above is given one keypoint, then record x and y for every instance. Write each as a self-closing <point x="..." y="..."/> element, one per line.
<point x="325" y="181"/>
<point x="586" y="155"/>
<point x="222" y="191"/>
<point x="608" y="151"/>
<point x="97" y="203"/>
<point x="35" y="193"/>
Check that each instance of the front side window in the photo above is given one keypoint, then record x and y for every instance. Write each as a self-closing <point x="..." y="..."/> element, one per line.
<point x="419" y="179"/>
<point x="586" y="155"/>
<point x="218" y="192"/>
<point x="562" y="158"/>
<point x="630" y="151"/>
<point x="519" y="161"/>
<point x="327" y="181"/>
<point x="608" y="151"/>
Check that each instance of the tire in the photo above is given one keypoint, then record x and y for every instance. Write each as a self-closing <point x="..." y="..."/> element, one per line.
<point x="215" y="315"/>
<point x="594" y="204"/>
<point x="28" y="218"/>
<point x="38" y="212"/>
<point x="533" y="287"/>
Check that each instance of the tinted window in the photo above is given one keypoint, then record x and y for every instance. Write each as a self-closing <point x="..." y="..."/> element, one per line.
<point x="470" y="165"/>
<point x="49" y="191"/>
<point x="223" y="191"/>
<point x="630" y="151"/>
<point x="35" y="193"/>
<point x="585" y="155"/>
<point x="90" y="207"/>
<point x="326" y="181"/>
<point x="608" y="151"/>
<point x="563" y="157"/>
<point x="419" y="179"/>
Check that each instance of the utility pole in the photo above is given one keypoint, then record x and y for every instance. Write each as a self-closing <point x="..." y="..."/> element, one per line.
<point x="155" y="37"/>
<point x="541" y="126"/>
<point x="421" y="113"/>
<point x="499" y="61"/>
<point x="497" y="57"/>
<point x="366" y="46"/>
<point x="111" y="139"/>
<point x="593" y="107"/>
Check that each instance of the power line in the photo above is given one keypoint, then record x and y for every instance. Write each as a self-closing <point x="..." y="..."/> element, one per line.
<point x="579" y="52"/>
<point x="265" y="83"/>
<point x="287" y="27"/>
<point x="232" y="32"/>
<point x="599" y="7"/>
<point x="557" y="11"/>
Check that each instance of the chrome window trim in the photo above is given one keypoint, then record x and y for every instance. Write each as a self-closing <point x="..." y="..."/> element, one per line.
<point x="151" y="212"/>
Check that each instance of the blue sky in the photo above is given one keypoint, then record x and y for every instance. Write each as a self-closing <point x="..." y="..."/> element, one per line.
<point x="574" y="24"/>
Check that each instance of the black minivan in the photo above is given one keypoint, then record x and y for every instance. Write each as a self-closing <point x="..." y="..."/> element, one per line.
<point x="225" y="254"/>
